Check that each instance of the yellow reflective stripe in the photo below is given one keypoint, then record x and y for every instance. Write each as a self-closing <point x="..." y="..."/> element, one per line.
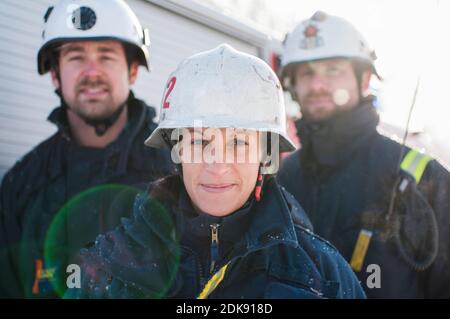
<point x="46" y="273"/>
<point x="415" y="164"/>
<point x="409" y="158"/>
<point x="213" y="283"/>
<point x="421" y="167"/>
<point x="360" y="250"/>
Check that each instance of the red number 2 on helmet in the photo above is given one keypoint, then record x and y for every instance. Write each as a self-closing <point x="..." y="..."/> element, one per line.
<point x="170" y="86"/>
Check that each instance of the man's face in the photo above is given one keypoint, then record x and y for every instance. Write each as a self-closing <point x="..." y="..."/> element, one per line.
<point x="94" y="77"/>
<point x="326" y="88"/>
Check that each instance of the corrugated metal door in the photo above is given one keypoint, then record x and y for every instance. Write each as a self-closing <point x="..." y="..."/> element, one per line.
<point x="27" y="98"/>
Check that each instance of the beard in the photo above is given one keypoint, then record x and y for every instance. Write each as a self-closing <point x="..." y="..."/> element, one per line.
<point x="94" y="108"/>
<point x="320" y="107"/>
<point x="313" y="111"/>
<point x="93" y="111"/>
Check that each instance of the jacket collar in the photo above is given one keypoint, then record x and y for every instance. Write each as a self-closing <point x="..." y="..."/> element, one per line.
<point x="198" y="224"/>
<point x="254" y="226"/>
<point x="59" y="116"/>
<point x="332" y="142"/>
<point x="271" y="222"/>
<point x="121" y="147"/>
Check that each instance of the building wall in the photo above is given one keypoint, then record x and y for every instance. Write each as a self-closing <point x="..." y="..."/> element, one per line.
<point x="26" y="98"/>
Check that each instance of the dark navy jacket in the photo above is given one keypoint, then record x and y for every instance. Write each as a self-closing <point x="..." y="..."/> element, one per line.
<point x="35" y="194"/>
<point x="343" y="177"/>
<point x="168" y="252"/>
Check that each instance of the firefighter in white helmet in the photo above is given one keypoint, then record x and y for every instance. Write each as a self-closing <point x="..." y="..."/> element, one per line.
<point x="92" y="50"/>
<point x="221" y="227"/>
<point x="73" y="28"/>
<point x="379" y="202"/>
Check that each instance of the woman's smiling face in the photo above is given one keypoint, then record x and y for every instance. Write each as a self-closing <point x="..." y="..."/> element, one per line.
<point x="223" y="178"/>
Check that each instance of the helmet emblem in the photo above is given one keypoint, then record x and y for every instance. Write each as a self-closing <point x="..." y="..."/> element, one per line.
<point x="84" y="18"/>
<point x="311" y="38"/>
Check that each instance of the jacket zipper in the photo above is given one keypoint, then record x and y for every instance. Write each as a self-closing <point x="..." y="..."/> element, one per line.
<point x="204" y="277"/>
<point x="214" y="247"/>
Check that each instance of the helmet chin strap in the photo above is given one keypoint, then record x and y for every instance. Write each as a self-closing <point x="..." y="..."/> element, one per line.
<point x="100" y="125"/>
<point x="259" y="184"/>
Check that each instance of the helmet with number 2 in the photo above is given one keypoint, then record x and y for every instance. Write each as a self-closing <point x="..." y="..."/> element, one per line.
<point x="223" y="88"/>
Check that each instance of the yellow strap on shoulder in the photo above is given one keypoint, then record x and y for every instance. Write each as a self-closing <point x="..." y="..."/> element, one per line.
<point x="360" y="250"/>
<point x="213" y="283"/>
<point x="415" y="163"/>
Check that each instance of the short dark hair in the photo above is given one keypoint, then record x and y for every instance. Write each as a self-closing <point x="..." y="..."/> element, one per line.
<point x="359" y="68"/>
<point x="53" y="53"/>
<point x="131" y="55"/>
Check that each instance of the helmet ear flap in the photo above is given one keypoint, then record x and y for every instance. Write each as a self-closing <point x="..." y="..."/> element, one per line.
<point x="270" y="160"/>
<point x="173" y="139"/>
<point x="167" y="136"/>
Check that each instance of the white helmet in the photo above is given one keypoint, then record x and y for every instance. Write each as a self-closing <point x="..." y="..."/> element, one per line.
<point x="223" y="88"/>
<point x="325" y="36"/>
<point x="72" y="20"/>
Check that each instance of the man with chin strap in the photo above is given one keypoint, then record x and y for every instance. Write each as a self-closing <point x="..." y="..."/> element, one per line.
<point x="97" y="151"/>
